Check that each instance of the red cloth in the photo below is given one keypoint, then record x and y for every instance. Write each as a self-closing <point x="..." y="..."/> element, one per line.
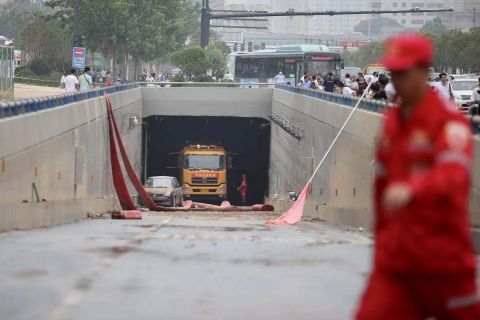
<point x="128" y="166"/>
<point x="430" y="150"/>
<point x="417" y="297"/>
<point x="118" y="180"/>
<point x="295" y="213"/>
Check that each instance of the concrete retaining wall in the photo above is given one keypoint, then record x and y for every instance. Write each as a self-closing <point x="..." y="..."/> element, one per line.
<point x="63" y="153"/>
<point x="214" y="102"/>
<point x="342" y="190"/>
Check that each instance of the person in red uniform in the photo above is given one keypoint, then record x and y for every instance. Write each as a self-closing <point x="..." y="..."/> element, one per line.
<point x="243" y="189"/>
<point x="424" y="261"/>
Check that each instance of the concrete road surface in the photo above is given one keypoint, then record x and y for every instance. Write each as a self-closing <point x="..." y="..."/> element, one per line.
<point x="183" y="266"/>
<point x="25" y="91"/>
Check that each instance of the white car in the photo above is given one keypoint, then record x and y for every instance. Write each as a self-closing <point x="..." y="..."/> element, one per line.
<point x="164" y="191"/>
<point x="462" y="90"/>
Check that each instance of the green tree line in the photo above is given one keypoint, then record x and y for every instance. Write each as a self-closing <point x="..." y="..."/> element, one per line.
<point x="123" y="31"/>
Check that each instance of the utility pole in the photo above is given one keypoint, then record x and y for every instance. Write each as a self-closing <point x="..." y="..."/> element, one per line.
<point x="205" y="24"/>
<point x="474" y="17"/>
<point x="77" y="37"/>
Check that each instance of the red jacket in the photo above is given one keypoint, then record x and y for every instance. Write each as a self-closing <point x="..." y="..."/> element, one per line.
<point x="431" y="150"/>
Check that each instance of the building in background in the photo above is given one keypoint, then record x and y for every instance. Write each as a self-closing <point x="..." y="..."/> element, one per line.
<point x="466" y="15"/>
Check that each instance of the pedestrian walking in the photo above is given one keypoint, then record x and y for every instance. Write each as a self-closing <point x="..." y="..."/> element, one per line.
<point x="315" y="85"/>
<point x="108" y="79"/>
<point x="346" y="91"/>
<point x="353" y="83"/>
<point x="279" y="78"/>
<point x="444" y="87"/>
<point x="307" y="82"/>
<point x="424" y="261"/>
<point x="347" y="82"/>
<point x="362" y="85"/>
<point x="85" y="80"/>
<point x="329" y="83"/>
<point x="71" y="81"/>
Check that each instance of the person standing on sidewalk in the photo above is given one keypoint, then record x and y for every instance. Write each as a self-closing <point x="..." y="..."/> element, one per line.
<point x="86" y="82"/>
<point x="424" y="261"/>
<point x="71" y="81"/>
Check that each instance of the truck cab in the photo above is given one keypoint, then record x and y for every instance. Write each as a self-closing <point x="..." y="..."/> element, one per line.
<point x="203" y="173"/>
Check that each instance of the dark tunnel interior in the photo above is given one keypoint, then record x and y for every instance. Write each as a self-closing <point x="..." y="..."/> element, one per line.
<point x="248" y="138"/>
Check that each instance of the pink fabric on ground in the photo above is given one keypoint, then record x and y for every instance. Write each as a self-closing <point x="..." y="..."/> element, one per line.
<point x="295" y="213"/>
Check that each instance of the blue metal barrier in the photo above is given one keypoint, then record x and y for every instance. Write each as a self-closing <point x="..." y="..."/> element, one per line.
<point x="366" y="104"/>
<point x="25" y="106"/>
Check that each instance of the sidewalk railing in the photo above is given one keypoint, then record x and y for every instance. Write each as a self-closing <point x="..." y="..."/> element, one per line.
<point x="14" y="108"/>
<point x="366" y="104"/>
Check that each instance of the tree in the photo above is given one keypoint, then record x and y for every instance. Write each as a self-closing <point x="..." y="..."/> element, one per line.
<point x="191" y="60"/>
<point x="370" y="53"/>
<point x="216" y="55"/>
<point x="44" y="41"/>
<point x="143" y="29"/>
<point x="434" y="27"/>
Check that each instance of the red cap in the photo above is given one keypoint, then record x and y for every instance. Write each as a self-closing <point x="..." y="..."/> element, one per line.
<point x="407" y="51"/>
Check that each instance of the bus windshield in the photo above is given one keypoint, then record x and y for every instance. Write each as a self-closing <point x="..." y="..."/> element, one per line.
<point x="204" y="162"/>
<point x="321" y="67"/>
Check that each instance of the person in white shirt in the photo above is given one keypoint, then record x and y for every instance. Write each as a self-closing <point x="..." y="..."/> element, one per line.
<point x="347" y="80"/>
<point x="150" y="79"/>
<point x="86" y="82"/>
<point x="346" y="91"/>
<point x="476" y="94"/>
<point x="279" y="78"/>
<point x="444" y="88"/>
<point x="71" y="81"/>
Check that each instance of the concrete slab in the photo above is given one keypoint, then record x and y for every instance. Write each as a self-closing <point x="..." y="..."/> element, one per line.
<point x="183" y="266"/>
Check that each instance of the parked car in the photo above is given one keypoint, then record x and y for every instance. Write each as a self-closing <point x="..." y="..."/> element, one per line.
<point x="165" y="191"/>
<point x="462" y="90"/>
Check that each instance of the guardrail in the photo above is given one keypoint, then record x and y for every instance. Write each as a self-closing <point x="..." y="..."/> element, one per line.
<point x="19" y="107"/>
<point x="366" y="104"/>
<point x="162" y="84"/>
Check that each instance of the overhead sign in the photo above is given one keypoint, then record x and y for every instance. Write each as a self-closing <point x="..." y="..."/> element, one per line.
<point x="79" y="57"/>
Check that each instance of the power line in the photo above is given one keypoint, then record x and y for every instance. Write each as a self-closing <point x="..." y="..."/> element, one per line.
<point x="207" y="16"/>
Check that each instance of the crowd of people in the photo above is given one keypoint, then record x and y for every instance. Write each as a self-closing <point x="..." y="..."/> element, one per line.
<point x="352" y="86"/>
<point x="151" y="78"/>
<point x="89" y="79"/>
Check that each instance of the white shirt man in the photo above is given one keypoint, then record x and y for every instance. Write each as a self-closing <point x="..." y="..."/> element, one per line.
<point x="279" y="78"/>
<point x="444" y="88"/>
<point x="346" y="91"/>
<point x="476" y="94"/>
<point x="86" y="80"/>
<point x="71" y="82"/>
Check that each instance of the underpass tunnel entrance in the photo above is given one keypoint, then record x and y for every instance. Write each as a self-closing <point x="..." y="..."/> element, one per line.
<point x="246" y="140"/>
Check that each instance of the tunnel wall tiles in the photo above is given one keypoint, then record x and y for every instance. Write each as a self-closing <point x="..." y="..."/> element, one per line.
<point x="342" y="191"/>
<point x="63" y="155"/>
